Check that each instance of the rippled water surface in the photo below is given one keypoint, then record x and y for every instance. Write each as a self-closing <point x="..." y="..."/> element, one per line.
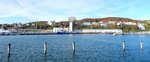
<point x="89" y="48"/>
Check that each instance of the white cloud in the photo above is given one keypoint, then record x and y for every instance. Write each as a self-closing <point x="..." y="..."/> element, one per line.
<point x="52" y="9"/>
<point x="61" y="9"/>
<point x="46" y="6"/>
<point x="6" y="8"/>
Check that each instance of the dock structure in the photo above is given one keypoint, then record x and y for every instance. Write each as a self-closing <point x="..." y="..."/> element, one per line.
<point x="36" y="33"/>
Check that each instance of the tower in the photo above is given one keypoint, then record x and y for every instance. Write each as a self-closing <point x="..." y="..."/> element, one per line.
<point x="71" y="19"/>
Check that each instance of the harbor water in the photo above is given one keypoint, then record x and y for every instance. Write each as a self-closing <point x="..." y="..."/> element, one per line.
<point x="88" y="48"/>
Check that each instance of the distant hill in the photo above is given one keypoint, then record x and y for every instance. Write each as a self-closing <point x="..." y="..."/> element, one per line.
<point x="107" y="19"/>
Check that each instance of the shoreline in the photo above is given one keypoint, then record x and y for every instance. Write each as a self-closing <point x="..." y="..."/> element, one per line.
<point x="52" y="33"/>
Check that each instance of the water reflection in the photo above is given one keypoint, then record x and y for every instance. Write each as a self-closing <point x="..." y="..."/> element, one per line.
<point x="142" y="51"/>
<point x="123" y="52"/>
<point x="8" y="59"/>
<point x="74" y="56"/>
<point x="45" y="57"/>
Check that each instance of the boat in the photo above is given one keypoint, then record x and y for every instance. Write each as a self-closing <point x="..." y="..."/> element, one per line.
<point x="4" y="32"/>
<point x="62" y="32"/>
<point x="7" y="32"/>
<point x="114" y="34"/>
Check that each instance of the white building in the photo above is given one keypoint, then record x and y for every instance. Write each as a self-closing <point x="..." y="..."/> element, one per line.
<point x="55" y="30"/>
<point x="129" y="23"/>
<point x="101" y="31"/>
<point x="71" y="19"/>
<point x="103" y="24"/>
<point x="86" y="23"/>
<point x="141" y="27"/>
<point x="96" y="23"/>
<point x="50" y="22"/>
<point x="111" y="22"/>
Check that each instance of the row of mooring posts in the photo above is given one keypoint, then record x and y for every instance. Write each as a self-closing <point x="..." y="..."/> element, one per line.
<point x="124" y="45"/>
<point x="45" y="49"/>
<point x="9" y="50"/>
<point x="73" y="47"/>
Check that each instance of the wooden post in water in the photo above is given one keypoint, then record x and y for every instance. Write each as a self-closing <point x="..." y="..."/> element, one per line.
<point x="73" y="52"/>
<point x="8" y="51"/>
<point x="123" y="45"/>
<point x="45" y="47"/>
<point x="73" y="46"/>
<point x="141" y="45"/>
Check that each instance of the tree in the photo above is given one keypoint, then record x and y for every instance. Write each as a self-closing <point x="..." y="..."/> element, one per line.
<point x="134" y="28"/>
<point x="147" y="26"/>
<point x="95" y="26"/>
<point x="111" y="26"/>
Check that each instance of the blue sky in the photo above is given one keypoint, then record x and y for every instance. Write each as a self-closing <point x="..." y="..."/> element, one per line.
<point x="15" y="11"/>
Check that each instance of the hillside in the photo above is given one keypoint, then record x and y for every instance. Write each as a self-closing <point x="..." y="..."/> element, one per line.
<point x="107" y="19"/>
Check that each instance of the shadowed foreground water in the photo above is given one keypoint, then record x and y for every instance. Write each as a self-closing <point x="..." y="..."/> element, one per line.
<point x="89" y="48"/>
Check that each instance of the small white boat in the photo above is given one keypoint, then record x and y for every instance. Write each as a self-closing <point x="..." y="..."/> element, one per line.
<point x="3" y="32"/>
<point x="114" y="34"/>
